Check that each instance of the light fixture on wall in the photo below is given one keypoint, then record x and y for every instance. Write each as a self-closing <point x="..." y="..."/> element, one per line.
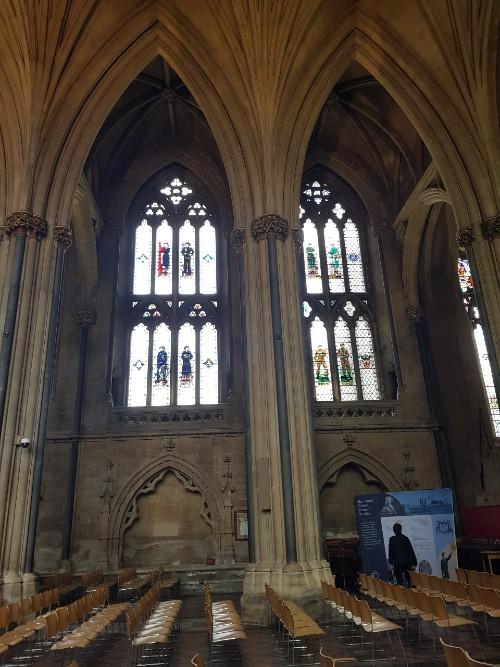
<point x="24" y="442"/>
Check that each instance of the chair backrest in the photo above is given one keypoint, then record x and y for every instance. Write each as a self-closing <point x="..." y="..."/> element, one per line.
<point x="438" y="607"/>
<point x="365" y="612"/>
<point x="63" y="618"/>
<point x="4" y="617"/>
<point x="455" y="656"/>
<point x="197" y="661"/>
<point x="51" y="625"/>
<point x="477" y="663"/>
<point x="15" y="612"/>
<point x="461" y="575"/>
<point x="325" y="660"/>
<point x="473" y="577"/>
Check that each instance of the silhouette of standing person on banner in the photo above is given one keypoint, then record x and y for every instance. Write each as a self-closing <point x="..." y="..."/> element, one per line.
<point x="401" y="555"/>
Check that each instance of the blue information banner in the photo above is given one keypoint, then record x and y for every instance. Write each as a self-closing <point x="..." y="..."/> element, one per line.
<point x="426" y="517"/>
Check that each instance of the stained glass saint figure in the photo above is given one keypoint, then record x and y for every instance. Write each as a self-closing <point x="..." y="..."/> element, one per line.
<point x="312" y="264"/>
<point x="163" y="259"/>
<point x="186" y="370"/>
<point x="334" y="262"/>
<point x="187" y="254"/>
<point x="366" y="360"/>
<point x="322" y="375"/>
<point x="345" y="365"/>
<point x="161" y="366"/>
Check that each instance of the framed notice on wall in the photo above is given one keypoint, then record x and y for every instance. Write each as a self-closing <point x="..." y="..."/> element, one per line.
<point x="241" y="525"/>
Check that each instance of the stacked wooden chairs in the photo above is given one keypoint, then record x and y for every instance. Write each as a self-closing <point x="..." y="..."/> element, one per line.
<point x="297" y="631"/>
<point x="152" y="626"/>
<point x="225" y="629"/>
<point x="359" y="613"/>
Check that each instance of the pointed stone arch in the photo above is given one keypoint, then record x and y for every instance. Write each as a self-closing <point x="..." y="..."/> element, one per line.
<point x="124" y="512"/>
<point x="370" y="467"/>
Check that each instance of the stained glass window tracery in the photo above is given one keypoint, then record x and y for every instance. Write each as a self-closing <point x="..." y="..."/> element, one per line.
<point x="469" y="299"/>
<point x="337" y="303"/>
<point x="173" y="343"/>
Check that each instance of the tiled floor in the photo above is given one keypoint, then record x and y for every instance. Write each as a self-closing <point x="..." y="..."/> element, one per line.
<point x="262" y="647"/>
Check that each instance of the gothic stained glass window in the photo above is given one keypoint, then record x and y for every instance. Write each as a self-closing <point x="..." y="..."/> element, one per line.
<point x="467" y="287"/>
<point x="337" y="302"/>
<point x="173" y="343"/>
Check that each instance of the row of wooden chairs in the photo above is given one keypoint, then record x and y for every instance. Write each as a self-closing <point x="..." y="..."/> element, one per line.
<point x="92" y="578"/>
<point x="476" y="598"/>
<point x="458" y="657"/>
<point x="125" y="575"/>
<point x="297" y="630"/>
<point x="16" y="613"/>
<point x="82" y="625"/>
<point x="360" y="614"/>
<point x="225" y="628"/>
<point x="59" y="580"/>
<point x="484" y="579"/>
<point x="152" y="626"/>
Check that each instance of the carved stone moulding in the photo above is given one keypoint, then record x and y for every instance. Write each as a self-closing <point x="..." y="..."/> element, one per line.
<point x="415" y="314"/>
<point x="490" y="228"/>
<point x="238" y="238"/>
<point x="169" y="417"/>
<point x="24" y="222"/>
<point x="298" y="238"/>
<point x="269" y="225"/>
<point x="326" y="414"/>
<point x="86" y="318"/>
<point x="63" y="237"/>
<point x="465" y="237"/>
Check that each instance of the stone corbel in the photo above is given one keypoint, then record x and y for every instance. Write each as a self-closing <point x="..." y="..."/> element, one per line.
<point x="24" y="222"/>
<point x="465" y="237"/>
<point x="238" y="239"/>
<point x="415" y="314"/>
<point x="63" y="236"/>
<point x="269" y="225"/>
<point x="490" y="228"/>
<point x="86" y="318"/>
<point x="298" y="239"/>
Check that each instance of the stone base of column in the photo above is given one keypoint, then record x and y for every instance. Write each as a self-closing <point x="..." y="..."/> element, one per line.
<point x="300" y="582"/>
<point x="29" y="584"/>
<point x="12" y="589"/>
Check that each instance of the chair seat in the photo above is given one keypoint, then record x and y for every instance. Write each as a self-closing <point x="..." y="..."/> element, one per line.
<point x="151" y="639"/>
<point x="453" y="622"/>
<point x="229" y="635"/>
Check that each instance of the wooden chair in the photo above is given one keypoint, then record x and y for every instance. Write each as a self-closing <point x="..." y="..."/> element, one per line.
<point x="197" y="661"/>
<point x="461" y="575"/>
<point x="455" y="656"/>
<point x="327" y="661"/>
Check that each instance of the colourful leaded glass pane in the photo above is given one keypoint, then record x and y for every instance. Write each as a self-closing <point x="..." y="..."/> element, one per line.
<point x="343" y="348"/>
<point x="311" y="259"/>
<point x="208" y="259"/>
<point x="334" y="257"/>
<point x="321" y="362"/>
<point x="464" y="275"/>
<point x="209" y="368"/>
<point x="163" y="274"/>
<point x="142" y="258"/>
<point x="486" y="372"/>
<point x="187" y="259"/>
<point x="353" y="257"/>
<point x="160" y="390"/>
<point x="138" y="368"/>
<point x="186" y="390"/>
<point x="366" y="357"/>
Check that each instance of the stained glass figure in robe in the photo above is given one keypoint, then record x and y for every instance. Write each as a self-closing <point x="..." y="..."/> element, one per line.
<point x="312" y="262"/>
<point x="187" y="368"/>
<point x="163" y="259"/>
<point x="187" y="255"/>
<point x="322" y="375"/>
<point x="334" y="260"/>
<point x="345" y="365"/>
<point x="162" y="366"/>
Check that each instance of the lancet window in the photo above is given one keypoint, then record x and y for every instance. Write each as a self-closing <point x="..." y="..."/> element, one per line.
<point x="469" y="299"/>
<point x="174" y="303"/>
<point x="337" y="300"/>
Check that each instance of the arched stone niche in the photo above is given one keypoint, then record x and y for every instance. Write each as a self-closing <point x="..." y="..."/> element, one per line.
<point x="144" y="482"/>
<point x="342" y="477"/>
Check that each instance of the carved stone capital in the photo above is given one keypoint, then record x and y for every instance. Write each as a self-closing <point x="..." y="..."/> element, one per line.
<point x="465" y="237"/>
<point x="2" y="233"/>
<point x="490" y="228"/>
<point x="24" y="222"/>
<point x="238" y="238"/>
<point x="63" y="237"/>
<point x="86" y="318"/>
<point x="298" y="239"/>
<point x="269" y="225"/>
<point x="415" y="314"/>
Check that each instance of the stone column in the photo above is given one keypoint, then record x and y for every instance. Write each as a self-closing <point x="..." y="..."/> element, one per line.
<point x="25" y="323"/>
<point x="86" y="318"/>
<point x="284" y="481"/>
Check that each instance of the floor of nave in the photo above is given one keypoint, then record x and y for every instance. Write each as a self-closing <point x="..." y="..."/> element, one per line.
<point x="261" y="649"/>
